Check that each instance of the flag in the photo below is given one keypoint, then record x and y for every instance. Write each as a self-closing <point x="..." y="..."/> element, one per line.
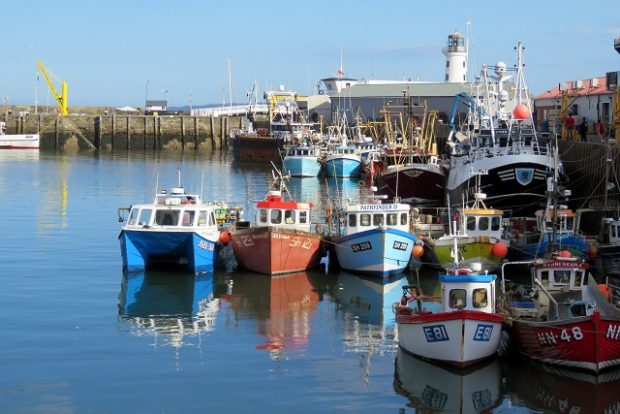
<point x="340" y="71"/>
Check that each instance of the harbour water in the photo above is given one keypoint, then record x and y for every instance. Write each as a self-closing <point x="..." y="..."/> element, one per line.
<point x="79" y="336"/>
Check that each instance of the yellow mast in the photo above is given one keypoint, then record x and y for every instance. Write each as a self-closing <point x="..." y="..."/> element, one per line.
<point x="60" y="98"/>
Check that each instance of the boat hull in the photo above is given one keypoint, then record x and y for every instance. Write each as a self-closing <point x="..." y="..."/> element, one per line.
<point x="377" y="252"/>
<point x="415" y="183"/>
<point x="473" y="250"/>
<point x="343" y="167"/>
<point x="23" y="141"/>
<point x="144" y="249"/>
<point x="590" y="343"/>
<point x="252" y="147"/>
<point x="514" y="181"/>
<point x="459" y="338"/>
<point x="301" y="166"/>
<point x="273" y="251"/>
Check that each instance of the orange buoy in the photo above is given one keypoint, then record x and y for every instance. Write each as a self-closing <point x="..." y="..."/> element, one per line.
<point x="565" y="253"/>
<point x="521" y="112"/>
<point x="225" y="237"/>
<point x="593" y="251"/>
<point x="418" y="250"/>
<point x="500" y="249"/>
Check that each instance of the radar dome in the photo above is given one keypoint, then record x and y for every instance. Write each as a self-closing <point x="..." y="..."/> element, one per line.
<point x="500" y="68"/>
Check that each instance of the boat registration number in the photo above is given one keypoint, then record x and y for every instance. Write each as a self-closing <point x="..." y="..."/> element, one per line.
<point x="399" y="245"/>
<point x="360" y="247"/>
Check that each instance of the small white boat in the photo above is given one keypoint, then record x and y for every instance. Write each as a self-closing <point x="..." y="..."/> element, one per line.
<point x="17" y="141"/>
<point x="175" y="229"/>
<point x="466" y="329"/>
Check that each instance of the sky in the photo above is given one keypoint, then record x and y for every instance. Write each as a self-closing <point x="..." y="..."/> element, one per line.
<point x="117" y="53"/>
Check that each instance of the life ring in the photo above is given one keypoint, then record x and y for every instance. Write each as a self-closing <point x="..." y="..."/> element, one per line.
<point x="185" y="202"/>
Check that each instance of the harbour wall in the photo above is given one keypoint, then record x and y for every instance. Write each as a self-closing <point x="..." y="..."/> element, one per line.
<point x="585" y="163"/>
<point x="125" y="132"/>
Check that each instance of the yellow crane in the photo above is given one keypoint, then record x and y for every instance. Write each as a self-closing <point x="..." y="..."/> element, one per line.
<point x="60" y="98"/>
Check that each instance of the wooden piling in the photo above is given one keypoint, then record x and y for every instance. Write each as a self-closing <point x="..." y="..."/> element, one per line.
<point x="128" y="135"/>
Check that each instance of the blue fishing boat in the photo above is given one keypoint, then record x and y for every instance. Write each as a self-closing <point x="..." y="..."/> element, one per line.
<point x="302" y="161"/>
<point x="176" y="229"/>
<point x="372" y="238"/>
<point x="343" y="161"/>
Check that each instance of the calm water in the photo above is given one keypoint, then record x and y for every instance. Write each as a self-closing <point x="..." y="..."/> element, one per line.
<point x="80" y="337"/>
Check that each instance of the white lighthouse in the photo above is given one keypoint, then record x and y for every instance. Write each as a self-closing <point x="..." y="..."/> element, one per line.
<point x="456" y="58"/>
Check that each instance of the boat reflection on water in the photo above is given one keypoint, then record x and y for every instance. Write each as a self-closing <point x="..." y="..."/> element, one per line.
<point x="171" y="307"/>
<point x="19" y="154"/>
<point x="432" y="388"/>
<point x="318" y="190"/>
<point x="282" y="307"/>
<point x="369" y="321"/>
<point x="553" y="389"/>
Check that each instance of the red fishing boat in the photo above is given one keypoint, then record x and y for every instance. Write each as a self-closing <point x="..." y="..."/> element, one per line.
<point x="565" y="319"/>
<point x="280" y="239"/>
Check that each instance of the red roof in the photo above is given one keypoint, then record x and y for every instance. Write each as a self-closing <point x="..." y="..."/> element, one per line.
<point x="275" y="201"/>
<point x="586" y="89"/>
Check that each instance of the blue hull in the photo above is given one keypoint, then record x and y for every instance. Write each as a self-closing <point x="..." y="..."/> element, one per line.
<point x="301" y="166"/>
<point x="343" y="167"/>
<point x="376" y="252"/>
<point x="575" y="245"/>
<point x="148" y="249"/>
<point x="147" y="294"/>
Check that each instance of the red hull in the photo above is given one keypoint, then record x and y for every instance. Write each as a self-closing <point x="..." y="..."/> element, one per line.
<point x="274" y="251"/>
<point x="418" y="185"/>
<point x="591" y="343"/>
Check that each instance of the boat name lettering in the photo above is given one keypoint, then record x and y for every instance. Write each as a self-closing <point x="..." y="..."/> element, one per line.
<point x="360" y="247"/>
<point x="278" y="236"/>
<point x="613" y="332"/>
<point x="436" y="333"/>
<point x="399" y="245"/>
<point x="205" y="245"/>
<point x="483" y="332"/>
<point x="371" y="207"/>
<point x="567" y="335"/>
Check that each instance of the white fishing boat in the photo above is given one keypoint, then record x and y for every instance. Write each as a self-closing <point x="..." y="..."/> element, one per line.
<point x="17" y="141"/>
<point x="465" y="330"/>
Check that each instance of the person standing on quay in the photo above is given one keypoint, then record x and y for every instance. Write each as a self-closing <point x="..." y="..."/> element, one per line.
<point x="570" y="126"/>
<point x="583" y="129"/>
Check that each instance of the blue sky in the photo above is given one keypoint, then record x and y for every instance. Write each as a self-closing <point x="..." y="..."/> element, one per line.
<point x="106" y="51"/>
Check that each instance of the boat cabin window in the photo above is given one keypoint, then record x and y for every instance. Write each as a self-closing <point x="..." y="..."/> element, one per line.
<point x="133" y="216"/>
<point x="613" y="231"/>
<point x="289" y="216"/>
<point x="203" y="218"/>
<point x="496" y="222"/>
<point x="377" y="219"/>
<point x="303" y="217"/>
<point x="276" y="217"/>
<point x="167" y="217"/>
<point x="352" y="220"/>
<point x="365" y="220"/>
<point x="145" y="216"/>
<point x="544" y="278"/>
<point x="480" y="298"/>
<point x="561" y="277"/>
<point x="578" y="279"/>
<point x="483" y="223"/>
<point x="471" y="223"/>
<point x="188" y="218"/>
<point x="392" y="219"/>
<point x="458" y="298"/>
<point x="262" y="216"/>
<point x="403" y="219"/>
